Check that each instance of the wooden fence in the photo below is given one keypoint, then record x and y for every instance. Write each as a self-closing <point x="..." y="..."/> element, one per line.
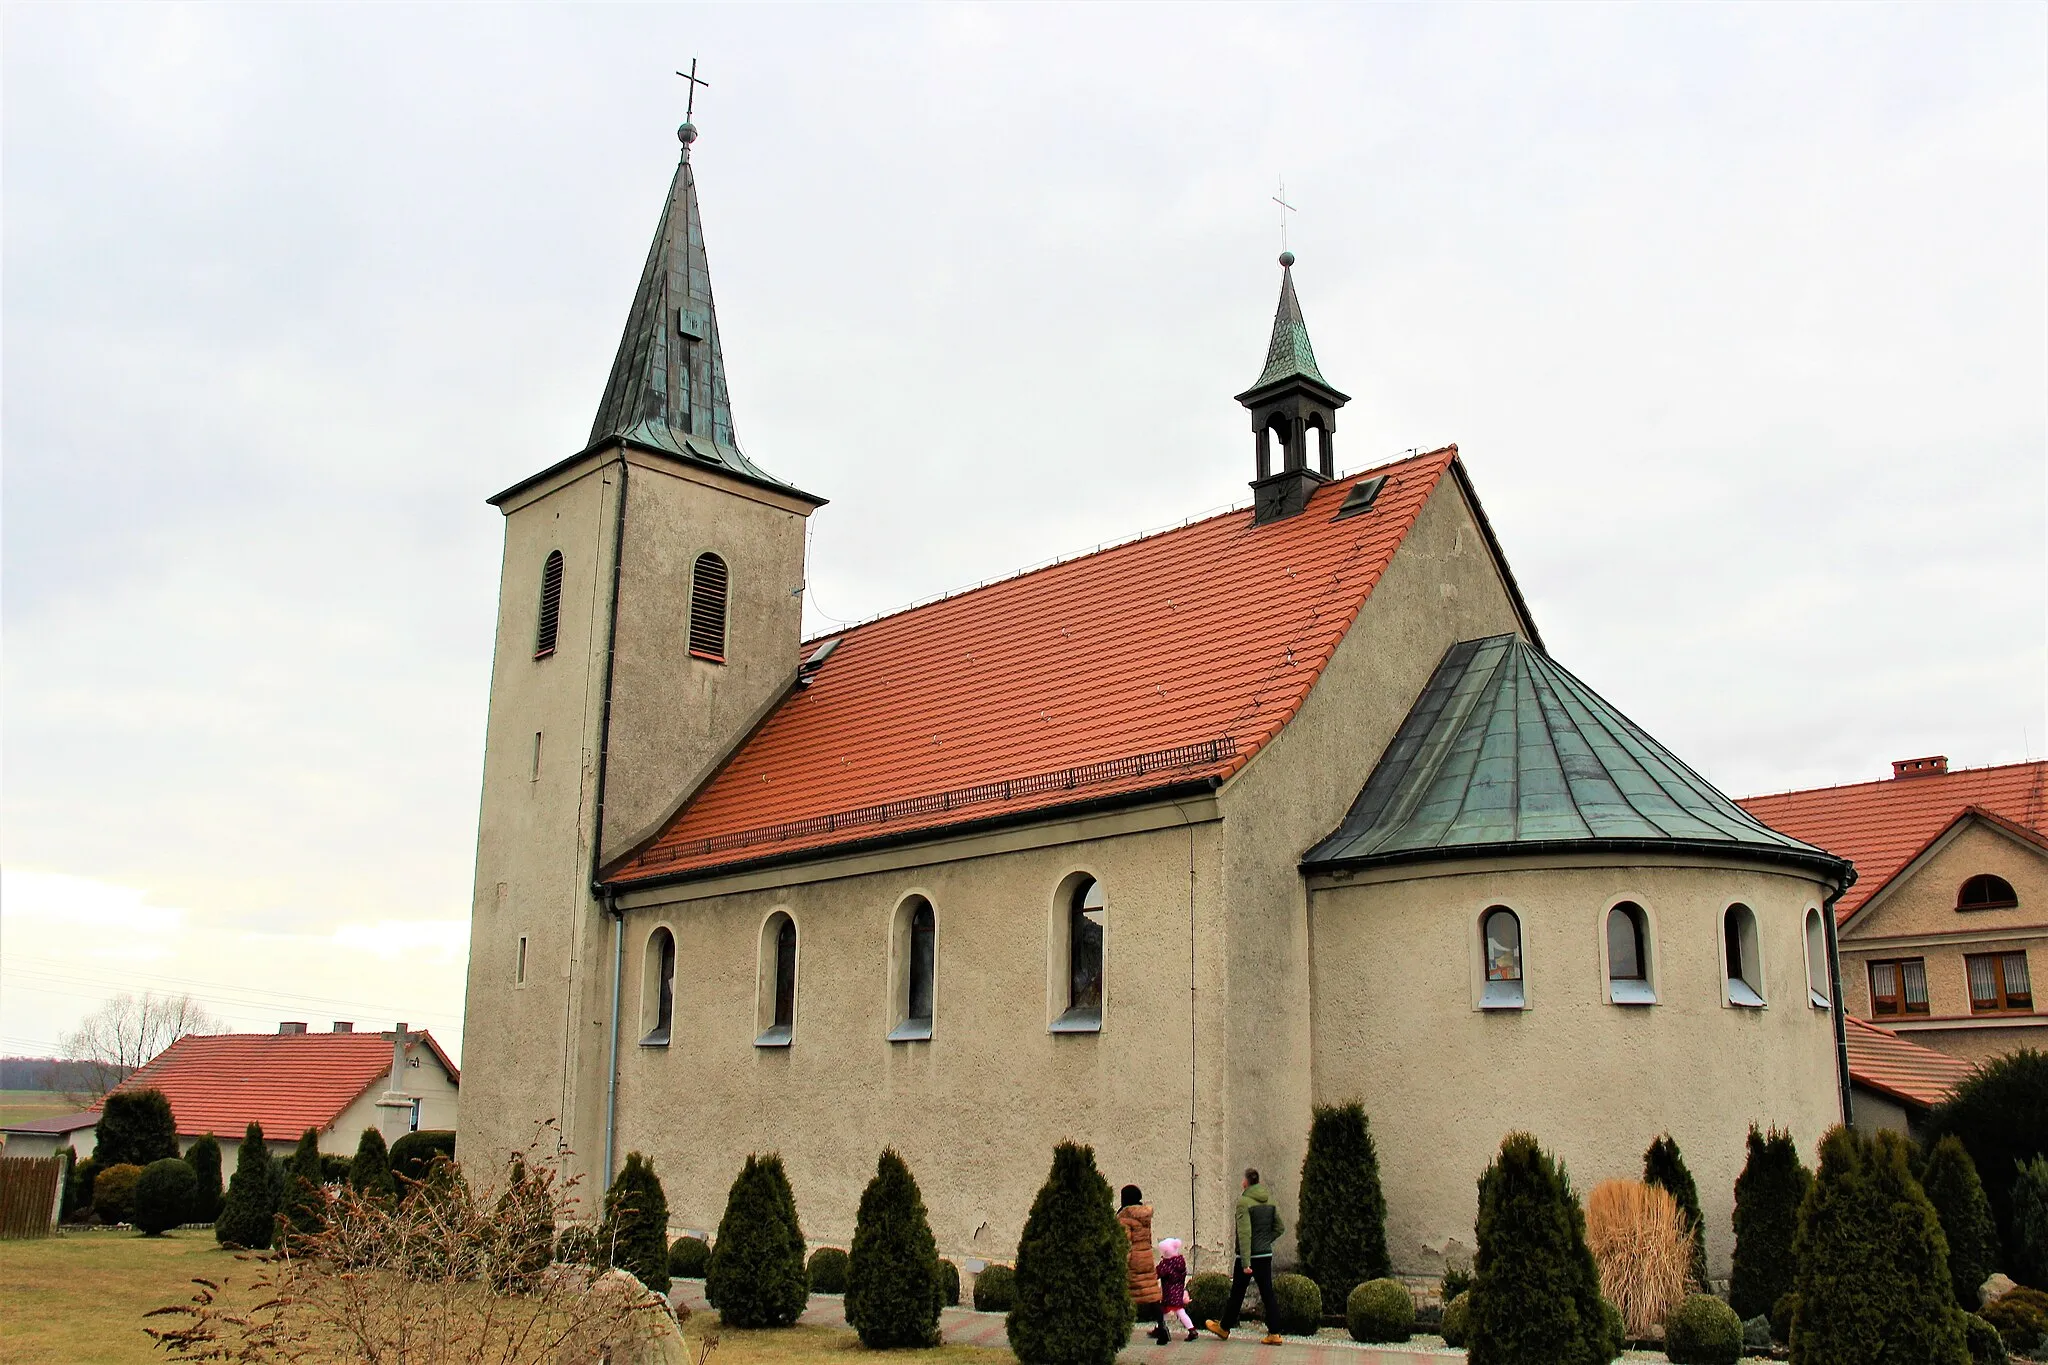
<point x="28" y="1195"/>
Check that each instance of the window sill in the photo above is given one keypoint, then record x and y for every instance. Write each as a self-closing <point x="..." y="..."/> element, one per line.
<point x="2019" y="1012"/>
<point x="540" y="654"/>
<point x="1817" y="1000"/>
<point x="1743" y="996"/>
<point x="707" y="656"/>
<point x="912" y="1031"/>
<point x="658" y="1038"/>
<point x="775" y="1037"/>
<point x="1503" y="995"/>
<point x="1630" y="992"/>
<point x="1079" y="1021"/>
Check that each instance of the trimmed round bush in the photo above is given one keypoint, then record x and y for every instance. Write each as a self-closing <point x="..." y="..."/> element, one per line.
<point x="1617" y="1326"/>
<point x="1297" y="1307"/>
<point x="1703" y="1331"/>
<point x="995" y="1290"/>
<point x="689" y="1258"/>
<point x="1208" y="1296"/>
<point x="164" y="1195"/>
<point x="1456" y="1314"/>
<point x="949" y="1284"/>
<point x="827" y="1270"/>
<point x="1379" y="1310"/>
<point x="577" y="1245"/>
<point x="1782" y="1313"/>
<point x="1986" y="1346"/>
<point x="113" y="1193"/>
<point x="2020" y="1315"/>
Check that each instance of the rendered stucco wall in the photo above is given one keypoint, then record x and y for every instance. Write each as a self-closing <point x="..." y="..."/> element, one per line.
<point x="425" y="1078"/>
<point x="1395" y="983"/>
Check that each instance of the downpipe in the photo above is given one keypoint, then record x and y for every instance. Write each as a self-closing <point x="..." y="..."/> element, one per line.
<point x="1835" y="1001"/>
<point x="597" y="887"/>
<point x="611" y="1089"/>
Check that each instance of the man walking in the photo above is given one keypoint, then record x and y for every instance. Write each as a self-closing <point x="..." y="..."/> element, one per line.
<point x="1258" y="1226"/>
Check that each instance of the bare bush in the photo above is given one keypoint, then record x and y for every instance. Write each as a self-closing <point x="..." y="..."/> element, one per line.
<point x="1643" y="1246"/>
<point x="450" y="1273"/>
<point x="125" y="1033"/>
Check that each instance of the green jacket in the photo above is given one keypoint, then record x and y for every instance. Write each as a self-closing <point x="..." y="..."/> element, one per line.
<point x="1258" y="1223"/>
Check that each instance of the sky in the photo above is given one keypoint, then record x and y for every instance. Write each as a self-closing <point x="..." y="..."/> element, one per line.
<point x="1737" y="313"/>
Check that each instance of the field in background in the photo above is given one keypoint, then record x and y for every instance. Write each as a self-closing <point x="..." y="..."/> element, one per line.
<point x="21" y="1106"/>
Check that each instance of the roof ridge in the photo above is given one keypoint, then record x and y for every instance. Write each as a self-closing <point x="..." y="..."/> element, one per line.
<point x="1928" y="778"/>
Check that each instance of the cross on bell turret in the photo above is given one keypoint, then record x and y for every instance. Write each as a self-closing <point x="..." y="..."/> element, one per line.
<point x="1290" y="400"/>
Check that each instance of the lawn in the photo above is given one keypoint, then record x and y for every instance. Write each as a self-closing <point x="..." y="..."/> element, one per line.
<point x="25" y="1106"/>
<point x="79" y="1298"/>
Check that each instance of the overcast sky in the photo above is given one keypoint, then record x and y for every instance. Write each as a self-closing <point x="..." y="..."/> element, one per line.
<point x="1737" y="314"/>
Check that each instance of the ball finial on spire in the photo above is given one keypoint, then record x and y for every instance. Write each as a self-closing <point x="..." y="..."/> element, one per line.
<point x="687" y="134"/>
<point x="1286" y="259"/>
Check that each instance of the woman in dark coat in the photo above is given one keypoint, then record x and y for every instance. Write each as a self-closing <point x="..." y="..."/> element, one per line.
<point x="1136" y="1218"/>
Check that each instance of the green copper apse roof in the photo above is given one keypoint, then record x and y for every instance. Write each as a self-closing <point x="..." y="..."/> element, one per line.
<point x="1505" y="752"/>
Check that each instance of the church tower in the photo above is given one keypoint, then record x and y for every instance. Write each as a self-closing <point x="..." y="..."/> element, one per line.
<point x="649" y="614"/>
<point x="1290" y="401"/>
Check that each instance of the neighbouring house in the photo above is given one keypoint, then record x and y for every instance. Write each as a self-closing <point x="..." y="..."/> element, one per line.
<point x="338" y="1082"/>
<point x="1897" y="1082"/>
<point x="1947" y="925"/>
<point x="1154" y="848"/>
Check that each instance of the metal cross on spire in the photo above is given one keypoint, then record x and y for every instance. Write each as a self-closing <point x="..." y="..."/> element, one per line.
<point x="1280" y="198"/>
<point x="690" y="106"/>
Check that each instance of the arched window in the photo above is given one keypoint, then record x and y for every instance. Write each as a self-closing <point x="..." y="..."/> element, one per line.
<point x="1986" y="892"/>
<point x="776" y="992"/>
<point x="707" y="608"/>
<point x="1500" y="939"/>
<point x="1628" y="955"/>
<point x="1817" y="975"/>
<point x="914" y="959"/>
<point x="1744" y="964"/>
<point x="1087" y="914"/>
<point x="550" y="605"/>
<point x="1315" y="448"/>
<point x="658" y="993"/>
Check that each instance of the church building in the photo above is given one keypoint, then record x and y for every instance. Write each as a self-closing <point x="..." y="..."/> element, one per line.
<point x="1155" y="848"/>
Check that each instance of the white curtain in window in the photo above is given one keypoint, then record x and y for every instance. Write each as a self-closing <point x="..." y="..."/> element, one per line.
<point x="2016" y="981"/>
<point x="1884" y="980"/>
<point x="1984" y="979"/>
<point x="1916" y="985"/>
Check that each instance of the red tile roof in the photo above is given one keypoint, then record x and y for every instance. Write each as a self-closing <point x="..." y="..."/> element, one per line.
<point x="1882" y="826"/>
<point x="1171" y="657"/>
<point x="1883" y="1061"/>
<point x="288" y="1082"/>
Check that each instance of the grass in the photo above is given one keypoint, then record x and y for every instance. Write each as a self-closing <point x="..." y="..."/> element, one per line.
<point x="78" y="1299"/>
<point x="25" y="1106"/>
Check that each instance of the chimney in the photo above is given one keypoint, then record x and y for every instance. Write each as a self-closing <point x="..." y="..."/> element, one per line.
<point x="292" y="1026"/>
<point x="1920" y="767"/>
<point x="344" y="1026"/>
<point x="400" y="1039"/>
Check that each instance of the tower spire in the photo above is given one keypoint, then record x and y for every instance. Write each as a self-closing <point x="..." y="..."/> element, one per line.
<point x="1290" y="400"/>
<point x="667" y="386"/>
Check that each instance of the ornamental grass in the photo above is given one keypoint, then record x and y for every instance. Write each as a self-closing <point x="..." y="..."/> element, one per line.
<point x="1643" y="1244"/>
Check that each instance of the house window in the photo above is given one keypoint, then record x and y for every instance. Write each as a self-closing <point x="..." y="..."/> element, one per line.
<point x="658" y="1007"/>
<point x="1817" y="978"/>
<point x="1743" y="962"/>
<point x="1087" y="912"/>
<point x="778" y="984"/>
<point x="707" y="609"/>
<point x="1999" y="984"/>
<point x="413" y="1121"/>
<point x="1500" y="939"/>
<point x="915" y="951"/>
<point x="550" y="605"/>
<point x="1628" y="955"/>
<point x="1986" y="892"/>
<point x="1899" y="987"/>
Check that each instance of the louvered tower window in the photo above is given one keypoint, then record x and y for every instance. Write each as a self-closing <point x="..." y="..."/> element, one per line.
<point x="550" y="605"/>
<point x="707" y="608"/>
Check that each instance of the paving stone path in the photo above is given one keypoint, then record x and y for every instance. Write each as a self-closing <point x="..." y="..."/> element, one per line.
<point x="965" y="1327"/>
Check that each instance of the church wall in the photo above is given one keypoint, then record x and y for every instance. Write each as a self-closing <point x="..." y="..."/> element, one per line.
<point x="976" y="1110"/>
<point x="1441" y="587"/>
<point x="1395" y="984"/>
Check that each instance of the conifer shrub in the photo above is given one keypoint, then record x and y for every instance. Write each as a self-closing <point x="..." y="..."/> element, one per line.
<point x="634" y="1233"/>
<point x="1208" y="1295"/>
<point x="1664" y="1167"/>
<point x="1379" y="1310"/>
<point x="2028" y="1246"/>
<point x="248" y="1211"/>
<point x="113" y="1193"/>
<point x="1872" y="1268"/>
<point x="1457" y="1278"/>
<point x="1952" y="1186"/>
<point x="1073" y="1298"/>
<point x="1536" y="1295"/>
<point x="2021" y="1317"/>
<point x="1782" y="1314"/>
<point x="1703" y="1331"/>
<point x="1985" y="1345"/>
<point x="688" y="1258"/>
<point x="1297" y="1308"/>
<point x="164" y="1195"/>
<point x="995" y="1289"/>
<point x="135" y="1128"/>
<point x="576" y="1245"/>
<point x="1342" y="1233"/>
<point x="826" y="1271"/>
<point x="68" y="1201"/>
<point x="414" y="1153"/>
<point x="894" y="1285"/>
<point x="1768" y="1194"/>
<point x="524" y="1219"/>
<point x="204" y="1159"/>
<point x="369" y="1173"/>
<point x="2000" y="1115"/>
<point x="302" y="1204"/>
<point x="949" y="1284"/>
<point x="1457" y="1319"/>
<point x="756" y="1277"/>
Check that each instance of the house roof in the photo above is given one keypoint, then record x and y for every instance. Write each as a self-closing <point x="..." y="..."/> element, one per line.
<point x="1885" y="1062"/>
<point x="66" y="1123"/>
<point x="288" y="1082"/>
<point x="1506" y="751"/>
<point x="1161" y="661"/>
<point x="1883" y="826"/>
<point x="1289" y="354"/>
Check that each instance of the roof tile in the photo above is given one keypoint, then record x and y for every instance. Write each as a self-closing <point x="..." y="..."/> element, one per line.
<point x="288" y="1082"/>
<point x="1882" y="1060"/>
